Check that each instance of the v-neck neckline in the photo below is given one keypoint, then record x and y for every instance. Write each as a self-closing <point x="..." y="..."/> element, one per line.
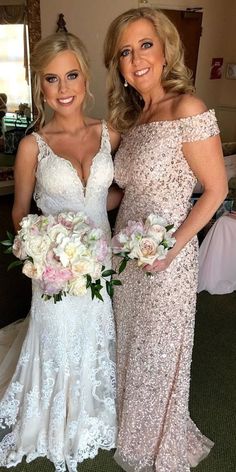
<point x="69" y="163"/>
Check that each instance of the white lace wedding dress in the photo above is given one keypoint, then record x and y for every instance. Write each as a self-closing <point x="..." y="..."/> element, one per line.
<point x="58" y="378"/>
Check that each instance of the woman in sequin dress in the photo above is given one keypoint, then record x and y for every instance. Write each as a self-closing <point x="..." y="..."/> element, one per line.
<point x="169" y="140"/>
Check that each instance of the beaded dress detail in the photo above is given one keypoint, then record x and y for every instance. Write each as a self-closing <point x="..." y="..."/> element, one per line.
<point x="58" y="396"/>
<point x="155" y="315"/>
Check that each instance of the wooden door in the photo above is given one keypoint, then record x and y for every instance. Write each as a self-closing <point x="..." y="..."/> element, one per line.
<point x="189" y="26"/>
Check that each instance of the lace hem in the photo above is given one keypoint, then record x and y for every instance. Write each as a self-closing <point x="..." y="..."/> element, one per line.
<point x="70" y="462"/>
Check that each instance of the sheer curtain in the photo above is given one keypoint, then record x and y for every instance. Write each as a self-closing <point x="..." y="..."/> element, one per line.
<point x="12" y="15"/>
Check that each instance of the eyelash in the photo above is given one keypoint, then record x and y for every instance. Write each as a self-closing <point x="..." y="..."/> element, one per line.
<point x="53" y="79"/>
<point x="145" y="45"/>
<point x="73" y="75"/>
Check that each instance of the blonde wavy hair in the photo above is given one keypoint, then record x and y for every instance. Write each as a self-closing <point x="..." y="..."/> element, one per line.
<point x="125" y="103"/>
<point x="44" y="52"/>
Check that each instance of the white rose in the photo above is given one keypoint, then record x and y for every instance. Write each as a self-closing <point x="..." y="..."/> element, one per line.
<point x="153" y="219"/>
<point x="33" y="271"/>
<point x="57" y="232"/>
<point x="29" y="220"/>
<point x="37" y="246"/>
<point x="158" y="232"/>
<point x="70" y="250"/>
<point x="162" y="252"/>
<point x="18" y="248"/>
<point x="86" y="266"/>
<point x="77" y="286"/>
<point x="147" y="251"/>
<point x="95" y="234"/>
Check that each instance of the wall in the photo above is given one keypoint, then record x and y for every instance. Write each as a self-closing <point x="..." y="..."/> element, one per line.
<point x="89" y="19"/>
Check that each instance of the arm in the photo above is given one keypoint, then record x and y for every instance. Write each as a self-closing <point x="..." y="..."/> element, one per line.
<point x="24" y="174"/>
<point x="115" y="195"/>
<point x="206" y="160"/>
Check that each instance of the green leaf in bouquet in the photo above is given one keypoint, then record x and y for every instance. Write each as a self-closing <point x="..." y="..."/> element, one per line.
<point x="115" y="282"/>
<point x="57" y="297"/>
<point x="14" y="264"/>
<point x="109" y="288"/>
<point x="10" y="236"/>
<point x="89" y="280"/>
<point x="169" y="227"/>
<point x="95" y="290"/>
<point x="98" y="286"/>
<point x="8" y="250"/>
<point x="108" y="272"/>
<point x="123" y="265"/>
<point x="98" y="295"/>
<point x="6" y="242"/>
<point x="165" y="244"/>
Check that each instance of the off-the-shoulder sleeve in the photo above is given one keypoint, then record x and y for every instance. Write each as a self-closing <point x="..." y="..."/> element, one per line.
<point x="199" y="127"/>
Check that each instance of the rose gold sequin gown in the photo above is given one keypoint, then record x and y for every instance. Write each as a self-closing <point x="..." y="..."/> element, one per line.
<point x="155" y="315"/>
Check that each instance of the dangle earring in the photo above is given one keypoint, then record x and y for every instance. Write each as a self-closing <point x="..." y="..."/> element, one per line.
<point x="126" y="83"/>
<point x="44" y="100"/>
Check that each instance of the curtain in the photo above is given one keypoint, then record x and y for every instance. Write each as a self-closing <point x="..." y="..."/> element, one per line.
<point x="16" y="14"/>
<point x="12" y="14"/>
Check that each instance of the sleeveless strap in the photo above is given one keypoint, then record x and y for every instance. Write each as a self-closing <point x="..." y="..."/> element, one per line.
<point x="105" y="137"/>
<point x="42" y="145"/>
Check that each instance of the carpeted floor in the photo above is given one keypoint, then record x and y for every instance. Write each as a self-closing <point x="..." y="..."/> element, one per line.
<point x="213" y="386"/>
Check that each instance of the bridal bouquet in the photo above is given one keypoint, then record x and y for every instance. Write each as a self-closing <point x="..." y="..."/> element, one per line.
<point x="146" y="242"/>
<point x="65" y="254"/>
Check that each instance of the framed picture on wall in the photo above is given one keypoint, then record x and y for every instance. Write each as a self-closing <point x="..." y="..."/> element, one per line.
<point x="231" y="71"/>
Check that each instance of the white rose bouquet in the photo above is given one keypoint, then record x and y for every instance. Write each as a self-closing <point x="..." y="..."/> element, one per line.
<point x="146" y="242"/>
<point x="64" y="253"/>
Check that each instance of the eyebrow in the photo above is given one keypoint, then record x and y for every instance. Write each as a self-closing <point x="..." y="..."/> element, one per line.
<point x="139" y="41"/>
<point x="53" y="74"/>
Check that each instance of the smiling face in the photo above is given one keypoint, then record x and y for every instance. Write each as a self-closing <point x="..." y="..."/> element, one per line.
<point x="141" y="56"/>
<point x="63" y="84"/>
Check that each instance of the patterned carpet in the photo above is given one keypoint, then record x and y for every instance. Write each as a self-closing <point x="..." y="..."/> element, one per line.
<point x="213" y="386"/>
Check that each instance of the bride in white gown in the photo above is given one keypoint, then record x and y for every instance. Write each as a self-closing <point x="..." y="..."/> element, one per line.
<point x="58" y="377"/>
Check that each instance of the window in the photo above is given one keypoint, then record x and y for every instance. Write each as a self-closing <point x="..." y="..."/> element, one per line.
<point x="12" y="71"/>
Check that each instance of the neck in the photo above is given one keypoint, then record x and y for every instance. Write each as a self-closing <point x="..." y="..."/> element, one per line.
<point x="70" y="123"/>
<point x="153" y="99"/>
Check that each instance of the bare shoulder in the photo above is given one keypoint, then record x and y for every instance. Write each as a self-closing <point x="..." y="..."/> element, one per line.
<point x="27" y="150"/>
<point x="188" y="105"/>
<point x="28" y="143"/>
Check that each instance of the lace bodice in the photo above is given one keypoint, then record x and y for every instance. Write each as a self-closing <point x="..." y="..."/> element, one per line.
<point x="59" y="188"/>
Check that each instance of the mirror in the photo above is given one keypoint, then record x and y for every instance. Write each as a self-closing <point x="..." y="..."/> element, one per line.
<point x="20" y="30"/>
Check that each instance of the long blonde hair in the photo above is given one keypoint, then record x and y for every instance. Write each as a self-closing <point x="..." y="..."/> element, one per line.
<point x="44" y="52"/>
<point x="125" y="104"/>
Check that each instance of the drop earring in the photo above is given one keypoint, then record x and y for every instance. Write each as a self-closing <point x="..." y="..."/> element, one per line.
<point x="126" y="83"/>
<point x="44" y="100"/>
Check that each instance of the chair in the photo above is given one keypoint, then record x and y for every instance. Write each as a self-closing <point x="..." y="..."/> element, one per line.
<point x="217" y="257"/>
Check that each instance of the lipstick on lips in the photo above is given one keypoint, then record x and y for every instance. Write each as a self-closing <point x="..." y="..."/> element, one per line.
<point x="66" y="100"/>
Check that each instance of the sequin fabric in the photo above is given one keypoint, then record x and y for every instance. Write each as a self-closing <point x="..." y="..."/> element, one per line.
<point x="155" y="315"/>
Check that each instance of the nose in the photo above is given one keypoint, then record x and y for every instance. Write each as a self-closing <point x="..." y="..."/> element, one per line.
<point x="135" y="56"/>
<point x="62" y="85"/>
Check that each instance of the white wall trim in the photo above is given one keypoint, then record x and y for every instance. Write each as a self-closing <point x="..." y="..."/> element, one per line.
<point x="166" y="6"/>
